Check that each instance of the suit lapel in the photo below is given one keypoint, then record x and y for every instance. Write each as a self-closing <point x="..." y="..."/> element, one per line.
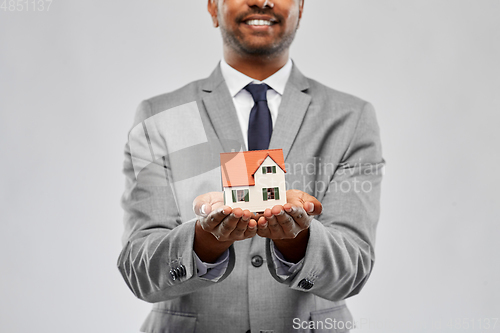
<point x="292" y="110"/>
<point x="220" y="108"/>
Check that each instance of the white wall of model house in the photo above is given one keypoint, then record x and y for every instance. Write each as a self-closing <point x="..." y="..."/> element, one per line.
<point x="269" y="180"/>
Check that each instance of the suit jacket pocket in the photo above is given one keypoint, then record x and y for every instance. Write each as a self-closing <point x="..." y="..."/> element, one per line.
<point x="167" y="321"/>
<point x="337" y="320"/>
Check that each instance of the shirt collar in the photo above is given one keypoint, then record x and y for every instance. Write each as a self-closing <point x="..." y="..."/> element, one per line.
<point x="236" y="80"/>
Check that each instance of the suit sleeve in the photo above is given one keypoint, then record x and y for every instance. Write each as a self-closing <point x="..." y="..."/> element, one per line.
<point x="157" y="260"/>
<point x="340" y="256"/>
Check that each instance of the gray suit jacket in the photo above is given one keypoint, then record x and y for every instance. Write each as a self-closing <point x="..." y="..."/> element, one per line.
<point x="332" y="150"/>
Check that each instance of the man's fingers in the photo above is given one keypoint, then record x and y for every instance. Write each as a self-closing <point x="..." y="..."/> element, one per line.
<point x="289" y="220"/>
<point x="205" y="210"/>
<point x="251" y="229"/>
<point x="204" y="204"/>
<point x="262" y="229"/>
<point x="239" y="229"/>
<point x="199" y="206"/>
<point x="285" y="221"/>
<point x="299" y="216"/>
<point x="313" y="208"/>
<point x="241" y="224"/>
<point x="274" y="227"/>
<point x="214" y="218"/>
<point x="228" y="224"/>
<point x="251" y="224"/>
<point x="298" y="198"/>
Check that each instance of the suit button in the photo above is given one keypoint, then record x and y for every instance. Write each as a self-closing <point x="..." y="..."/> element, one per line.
<point x="173" y="274"/>
<point x="306" y="284"/>
<point x="257" y="261"/>
<point x="183" y="270"/>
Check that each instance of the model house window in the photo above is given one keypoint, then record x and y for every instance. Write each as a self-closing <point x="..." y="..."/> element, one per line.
<point x="269" y="169"/>
<point x="270" y="193"/>
<point x="240" y="196"/>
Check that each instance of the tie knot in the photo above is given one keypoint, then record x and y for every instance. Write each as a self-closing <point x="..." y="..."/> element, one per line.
<point x="258" y="91"/>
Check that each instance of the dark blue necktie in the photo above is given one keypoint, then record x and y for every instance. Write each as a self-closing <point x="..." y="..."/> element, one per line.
<point x="260" y="125"/>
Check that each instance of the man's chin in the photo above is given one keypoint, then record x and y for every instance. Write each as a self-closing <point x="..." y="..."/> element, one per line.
<point x="259" y="49"/>
<point x="255" y="47"/>
<point x="264" y="47"/>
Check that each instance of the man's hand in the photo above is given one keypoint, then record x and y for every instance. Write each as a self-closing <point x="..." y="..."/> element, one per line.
<point x="224" y="223"/>
<point x="288" y="225"/>
<point x="219" y="226"/>
<point x="287" y="221"/>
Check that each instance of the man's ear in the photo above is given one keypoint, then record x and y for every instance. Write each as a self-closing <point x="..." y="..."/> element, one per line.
<point x="301" y="8"/>
<point x="212" y="9"/>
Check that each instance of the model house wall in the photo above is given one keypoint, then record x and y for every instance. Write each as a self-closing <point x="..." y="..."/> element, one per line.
<point x="254" y="180"/>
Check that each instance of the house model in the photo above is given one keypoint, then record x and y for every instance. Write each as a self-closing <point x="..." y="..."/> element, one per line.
<point x="253" y="180"/>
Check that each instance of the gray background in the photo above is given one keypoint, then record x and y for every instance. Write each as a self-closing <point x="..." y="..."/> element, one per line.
<point x="70" y="80"/>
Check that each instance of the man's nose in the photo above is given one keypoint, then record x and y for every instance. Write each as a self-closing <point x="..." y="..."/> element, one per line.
<point x="261" y="3"/>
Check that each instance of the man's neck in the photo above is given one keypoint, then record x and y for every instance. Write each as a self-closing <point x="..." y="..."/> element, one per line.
<point x="256" y="67"/>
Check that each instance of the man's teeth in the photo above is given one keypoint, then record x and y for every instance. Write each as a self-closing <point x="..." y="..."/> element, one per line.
<point x="258" y="22"/>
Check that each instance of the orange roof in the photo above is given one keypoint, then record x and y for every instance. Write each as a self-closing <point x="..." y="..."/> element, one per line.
<point x="238" y="168"/>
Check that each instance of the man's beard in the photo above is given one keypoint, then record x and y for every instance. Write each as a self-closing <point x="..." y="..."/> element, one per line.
<point x="236" y="42"/>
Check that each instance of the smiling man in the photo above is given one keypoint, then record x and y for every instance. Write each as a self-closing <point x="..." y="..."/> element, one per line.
<point x="209" y="268"/>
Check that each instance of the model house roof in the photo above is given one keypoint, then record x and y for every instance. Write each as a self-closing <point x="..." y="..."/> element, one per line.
<point x="238" y="169"/>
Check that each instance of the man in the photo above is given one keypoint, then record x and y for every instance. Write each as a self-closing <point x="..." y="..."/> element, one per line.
<point x="204" y="270"/>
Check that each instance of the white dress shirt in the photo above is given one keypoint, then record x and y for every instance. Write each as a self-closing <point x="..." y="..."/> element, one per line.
<point x="242" y="99"/>
<point x="243" y="103"/>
